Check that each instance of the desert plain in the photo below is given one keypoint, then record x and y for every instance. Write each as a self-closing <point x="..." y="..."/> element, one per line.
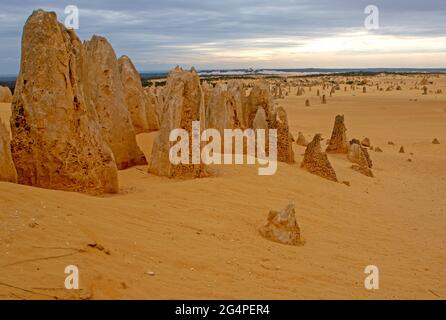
<point x="161" y="238"/>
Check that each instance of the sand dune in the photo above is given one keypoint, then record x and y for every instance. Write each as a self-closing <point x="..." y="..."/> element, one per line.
<point x="199" y="238"/>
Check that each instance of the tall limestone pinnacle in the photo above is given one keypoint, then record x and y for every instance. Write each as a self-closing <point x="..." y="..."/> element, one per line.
<point x="237" y="99"/>
<point x="260" y="96"/>
<point x="219" y="110"/>
<point x="56" y="136"/>
<point x="338" y="142"/>
<point x="7" y="168"/>
<point x="141" y="111"/>
<point x="107" y="95"/>
<point x="5" y="95"/>
<point x="285" y="140"/>
<point x="153" y="108"/>
<point x="184" y="104"/>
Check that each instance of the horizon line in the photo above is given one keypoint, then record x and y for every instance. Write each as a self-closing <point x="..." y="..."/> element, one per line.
<point x="284" y="69"/>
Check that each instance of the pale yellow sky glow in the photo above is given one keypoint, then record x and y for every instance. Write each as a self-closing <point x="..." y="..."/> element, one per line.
<point x="353" y="49"/>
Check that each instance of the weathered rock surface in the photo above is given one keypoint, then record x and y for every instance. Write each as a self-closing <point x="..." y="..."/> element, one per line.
<point x="220" y="114"/>
<point x="338" y="141"/>
<point x="366" y="142"/>
<point x="284" y="138"/>
<point x="363" y="170"/>
<point x="107" y="95"/>
<point x="8" y="172"/>
<point x="155" y="95"/>
<point x="152" y="109"/>
<point x="135" y="97"/>
<point x="237" y="101"/>
<point x="360" y="157"/>
<point x="301" y="140"/>
<point x="5" y="95"/>
<point x="56" y="137"/>
<point x="260" y="96"/>
<point x="282" y="227"/>
<point x="259" y="121"/>
<point x="184" y="103"/>
<point x="316" y="161"/>
<point x="206" y="88"/>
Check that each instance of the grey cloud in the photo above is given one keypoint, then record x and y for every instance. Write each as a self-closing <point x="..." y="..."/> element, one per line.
<point x="161" y="30"/>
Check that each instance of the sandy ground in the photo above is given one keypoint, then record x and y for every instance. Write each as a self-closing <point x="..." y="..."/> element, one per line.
<point x="200" y="238"/>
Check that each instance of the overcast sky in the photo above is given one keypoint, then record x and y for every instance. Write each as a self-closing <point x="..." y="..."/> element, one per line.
<point x="158" y="35"/>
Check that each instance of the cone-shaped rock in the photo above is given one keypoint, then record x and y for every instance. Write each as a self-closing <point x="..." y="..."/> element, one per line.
<point x="5" y="95"/>
<point x="360" y="157"/>
<point x="56" y="137"/>
<point x="366" y="142"/>
<point x="316" y="161"/>
<point x="107" y="95"/>
<point x="338" y="141"/>
<point x="135" y="97"/>
<point x="301" y="140"/>
<point x="7" y="168"/>
<point x="282" y="227"/>
<point x="184" y="103"/>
